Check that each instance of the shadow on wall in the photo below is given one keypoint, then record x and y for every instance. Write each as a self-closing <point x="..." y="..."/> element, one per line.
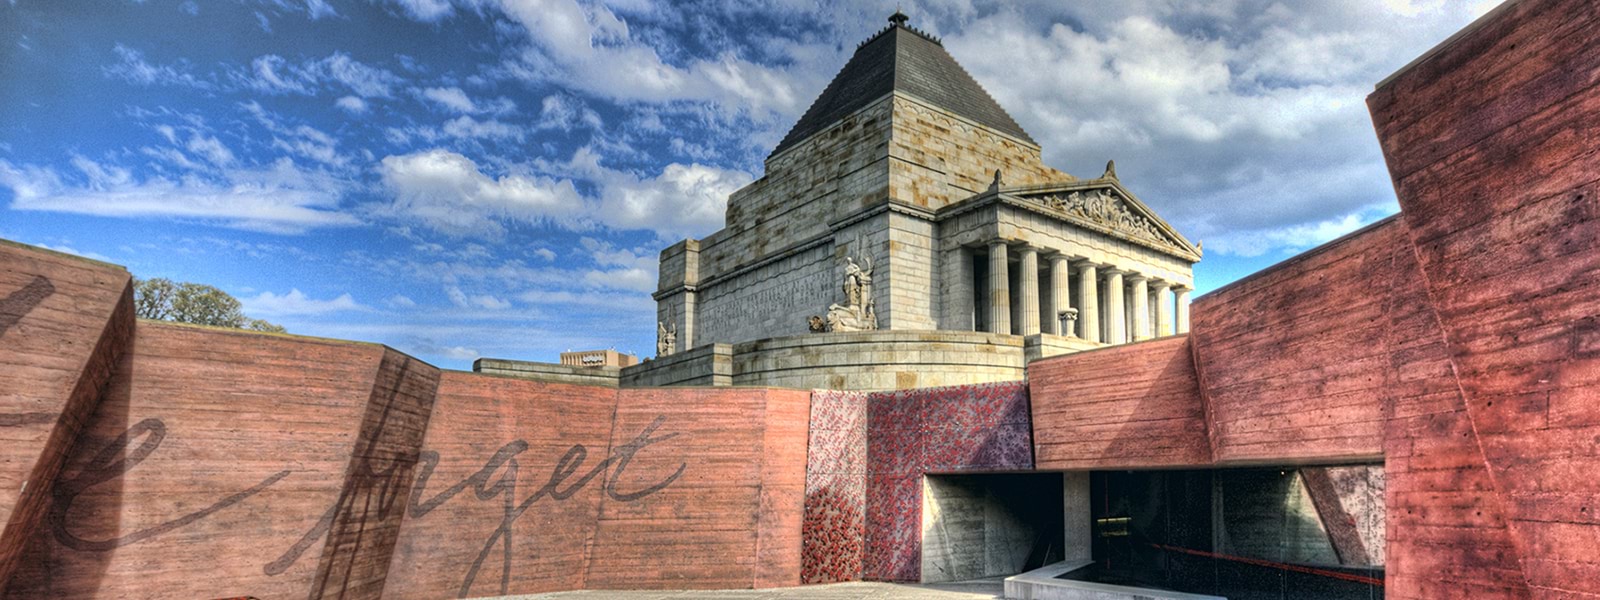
<point x="74" y="512"/>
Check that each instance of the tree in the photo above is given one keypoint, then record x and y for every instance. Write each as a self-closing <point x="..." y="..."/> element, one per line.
<point x="194" y="303"/>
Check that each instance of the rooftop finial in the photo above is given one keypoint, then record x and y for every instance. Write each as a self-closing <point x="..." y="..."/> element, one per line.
<point x="899" y="18"/>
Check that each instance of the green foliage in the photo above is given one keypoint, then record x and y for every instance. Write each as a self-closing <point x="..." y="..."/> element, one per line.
<point x="193" y="303"/>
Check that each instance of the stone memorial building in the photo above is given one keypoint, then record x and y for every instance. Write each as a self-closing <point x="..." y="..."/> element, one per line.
<point x="907" y="183"/>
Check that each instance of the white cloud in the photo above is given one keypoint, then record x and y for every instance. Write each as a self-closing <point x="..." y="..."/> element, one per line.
<point x="446" y="192"/>
<point x="296" y="303"/>
<point x="469" y="128"/>
<point x="682" y="200"/>
<point x="273" y="74"/>
<point x="280" y="198"/>
<point x="1232" y="120"/>
<point x="352" y="105"/>
<point x="544" y="253"/>
<point x="400" y="301"/>
<point x="133" y="68"/>
<point x="452" y="98"/>
<point x="589" y="48"/>
<point x="484" y="301"/>
<point x="426" y="10"/>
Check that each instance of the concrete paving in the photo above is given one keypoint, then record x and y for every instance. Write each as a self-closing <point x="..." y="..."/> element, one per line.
<point x="983" y="589"/>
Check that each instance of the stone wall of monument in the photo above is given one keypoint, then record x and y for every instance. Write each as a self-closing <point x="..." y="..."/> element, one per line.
<point x="940" y="158"/>
<point x="834" y="173"/>
<point x="879" y="360"/>
<point x="772" y="299"/>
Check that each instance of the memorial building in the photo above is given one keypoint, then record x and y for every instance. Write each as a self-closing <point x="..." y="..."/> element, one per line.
<point x="907" y="183"/>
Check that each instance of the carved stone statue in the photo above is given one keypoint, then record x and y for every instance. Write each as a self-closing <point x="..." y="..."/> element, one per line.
<point x="858" y="312"/>
<point x="666" y="339"/>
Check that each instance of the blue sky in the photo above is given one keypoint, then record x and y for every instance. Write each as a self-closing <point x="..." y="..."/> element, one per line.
<point x="465" y="178"/>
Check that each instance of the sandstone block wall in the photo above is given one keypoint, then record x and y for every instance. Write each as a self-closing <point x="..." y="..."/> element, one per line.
<point x="940" y="158"/>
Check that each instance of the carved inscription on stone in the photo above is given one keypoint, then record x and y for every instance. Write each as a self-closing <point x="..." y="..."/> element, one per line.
<point x="722" y="317"/>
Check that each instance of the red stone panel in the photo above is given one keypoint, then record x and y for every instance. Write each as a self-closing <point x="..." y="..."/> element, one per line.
<point x="480" y="518"/>
<point x="836" y="488"/>
<point x="981" y="427"/>
<point x="64" y="323"/>
<point x="730" y="468"/>
<point x="1134" y="405"/>
<point x="1501" y="190"/>
<point x="214" y="466"/>
<point x="1292" y="358"/>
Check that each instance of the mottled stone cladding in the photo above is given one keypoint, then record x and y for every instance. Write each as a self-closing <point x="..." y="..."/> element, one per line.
<point x="940" y="158"/>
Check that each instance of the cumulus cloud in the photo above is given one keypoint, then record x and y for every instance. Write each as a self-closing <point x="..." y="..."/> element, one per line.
<point x="296" y="303"/>
<point x="352" y="105"/>
<point x="449" y="193"/>
<point x="446" y="192"/>
<point x="452" y="98"/>
<point x="1243" y="123"/>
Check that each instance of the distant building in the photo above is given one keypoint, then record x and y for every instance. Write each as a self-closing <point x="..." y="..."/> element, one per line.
<point x="598" y="358"/>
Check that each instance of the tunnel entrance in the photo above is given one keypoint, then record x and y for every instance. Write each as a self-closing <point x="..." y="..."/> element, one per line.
<point x="987" y="525"/>
<point x="1314" y="533"/>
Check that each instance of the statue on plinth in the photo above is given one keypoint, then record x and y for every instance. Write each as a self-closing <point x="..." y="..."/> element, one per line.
<point x="858" y="313"/>
<point x="666" y="339"/>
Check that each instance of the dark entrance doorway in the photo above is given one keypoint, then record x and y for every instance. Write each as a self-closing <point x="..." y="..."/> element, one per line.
<point x="1312" y="533"/>
<point x="976" y="526"/>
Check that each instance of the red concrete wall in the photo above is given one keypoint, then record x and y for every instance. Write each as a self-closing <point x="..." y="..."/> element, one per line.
<point x="494" y="440"/>
<point x="1494" y="146"/>
<point x="1290" y="376"/>
<point x="1292" y="359"/>
<point x="212" y="467"/>
<point x="64" y="323"/>
<point x="580" y="467"/>
<point x="732" y="518"/>
<point x="1128" y="406"/>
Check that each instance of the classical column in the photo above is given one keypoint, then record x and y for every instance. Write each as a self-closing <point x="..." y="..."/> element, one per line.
<point x="1163" y="309"/>
<point x="1088" y="302"/>
<point x="1029" y="281"/>
<point x="1058" y="293"/>
<point x="1183" y="309"/>
<point x="961" y="293"/>
<point x="999" y="290"/>
<point x="1116" y="317"/>
<point x="1141" y="307"/>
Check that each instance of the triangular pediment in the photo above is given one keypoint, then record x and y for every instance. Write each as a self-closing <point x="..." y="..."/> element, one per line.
<point x="1104" y="205"/>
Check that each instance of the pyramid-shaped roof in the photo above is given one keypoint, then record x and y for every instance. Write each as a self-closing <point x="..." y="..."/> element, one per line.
<point x="901" y="58"/>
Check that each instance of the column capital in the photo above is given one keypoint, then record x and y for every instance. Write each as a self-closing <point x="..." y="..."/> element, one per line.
<point x="1135" y="276"/>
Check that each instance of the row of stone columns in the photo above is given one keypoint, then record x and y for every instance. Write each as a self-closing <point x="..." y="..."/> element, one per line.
<point x="1087" y="300"/>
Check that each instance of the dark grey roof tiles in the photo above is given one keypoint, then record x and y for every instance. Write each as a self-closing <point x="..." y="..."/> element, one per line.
<point x="902" y="59"/>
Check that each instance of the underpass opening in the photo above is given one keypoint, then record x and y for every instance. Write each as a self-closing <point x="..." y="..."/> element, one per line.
<point x="1314" y="533"/>
<point x="988" y="525"/>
